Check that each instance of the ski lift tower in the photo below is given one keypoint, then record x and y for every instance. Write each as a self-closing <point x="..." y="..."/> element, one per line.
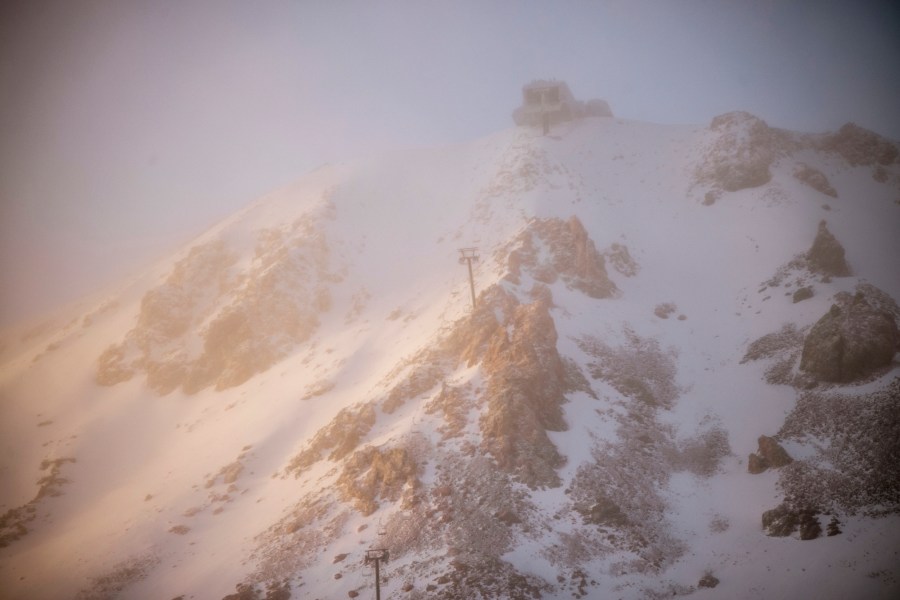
<point x="376" y="555"/>
<point x="468" y="256"/>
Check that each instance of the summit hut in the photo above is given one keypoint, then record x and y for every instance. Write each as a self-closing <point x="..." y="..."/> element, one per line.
<point x="548" y="102"/>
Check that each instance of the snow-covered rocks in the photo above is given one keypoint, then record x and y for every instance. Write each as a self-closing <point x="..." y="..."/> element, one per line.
<point x="860" y="146"/>
<point x="770" y="454"/>
<point x="852" y="341"/>
<point x="552" y="248"/>
<point x="214" y="322"/>
<point x="826" y="255"/>
<point x="815" y="179"/>
<point x="740" y="154"/>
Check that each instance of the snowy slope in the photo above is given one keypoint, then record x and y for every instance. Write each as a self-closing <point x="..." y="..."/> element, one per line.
<point x="308" y="379"/>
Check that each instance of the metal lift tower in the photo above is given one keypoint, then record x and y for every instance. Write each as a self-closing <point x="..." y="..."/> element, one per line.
<point x="468" y="256"/>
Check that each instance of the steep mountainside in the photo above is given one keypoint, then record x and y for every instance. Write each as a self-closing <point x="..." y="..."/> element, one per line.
<point x="680" y="378"/>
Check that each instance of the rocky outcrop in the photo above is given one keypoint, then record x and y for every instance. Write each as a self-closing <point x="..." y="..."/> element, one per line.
<point x="801" y="294"/>
<point x="860" y="146"/>
<point x="826" y="256"/>
<point x="741" y="154"/>
<point x="855" y="339"/>
<point x="213" y="322"/>
<point x="526" y="385"/>
<point x="552" y="249"/>
<point x="815" y="179"/>
<point x="341" y="436"/>
<point x="769" y="455"/>
<point x="372" y="474"/>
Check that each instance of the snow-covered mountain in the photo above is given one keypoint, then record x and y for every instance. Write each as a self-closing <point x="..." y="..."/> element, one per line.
<point x="679" y="379"/>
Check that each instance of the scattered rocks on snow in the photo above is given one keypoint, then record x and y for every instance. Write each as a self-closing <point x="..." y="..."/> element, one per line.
<point x="120" y="576"/>
<point x="14" y="522"/>
<point x="620" y="259"/>
<point x="854" y="467"/>
<point x="702" y="453"/>
<point x="708" y="581"/>
<point x="665" y="309"/>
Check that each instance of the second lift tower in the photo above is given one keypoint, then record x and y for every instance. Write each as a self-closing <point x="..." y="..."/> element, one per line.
<point x="468" y="256"/>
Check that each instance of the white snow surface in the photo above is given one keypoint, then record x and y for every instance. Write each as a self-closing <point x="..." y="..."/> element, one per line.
<point x="393" y="227"/>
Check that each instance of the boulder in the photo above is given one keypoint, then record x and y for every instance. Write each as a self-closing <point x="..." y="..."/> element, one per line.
<point x="770" y="454"/>
<point x="854" y="340"/>
<point x="804" y="293"/>
<point x="741" y="154"/>
<point x="815" y="179"/>
<point x="826" y="256"/>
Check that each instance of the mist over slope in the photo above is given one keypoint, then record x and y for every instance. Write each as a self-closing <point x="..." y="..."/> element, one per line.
<point x="679" y="378"/>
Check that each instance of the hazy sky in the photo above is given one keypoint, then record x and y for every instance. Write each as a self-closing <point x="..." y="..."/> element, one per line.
<point x="129" y="126"/>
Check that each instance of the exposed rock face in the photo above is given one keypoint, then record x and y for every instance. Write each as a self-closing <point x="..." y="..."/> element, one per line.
<point x="742" y="153"/>
<point x="860" y="146"/>
<point x="214" y="323"/>
<point x="341" y="436"/>
<point x="826" y="256"/>
<point x="815" y="179"/>
<point x="856" y="338"/>
<point x="769" y="454"/>
<point x="371" y="474"/>
<point x="568" y="254"/>
<point x="525" y="392"/>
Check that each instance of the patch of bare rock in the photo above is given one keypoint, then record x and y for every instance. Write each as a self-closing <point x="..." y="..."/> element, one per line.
<point x="855" y="339"/>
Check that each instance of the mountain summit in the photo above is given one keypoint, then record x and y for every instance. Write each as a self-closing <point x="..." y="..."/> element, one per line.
<point x="679" y="378"/>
